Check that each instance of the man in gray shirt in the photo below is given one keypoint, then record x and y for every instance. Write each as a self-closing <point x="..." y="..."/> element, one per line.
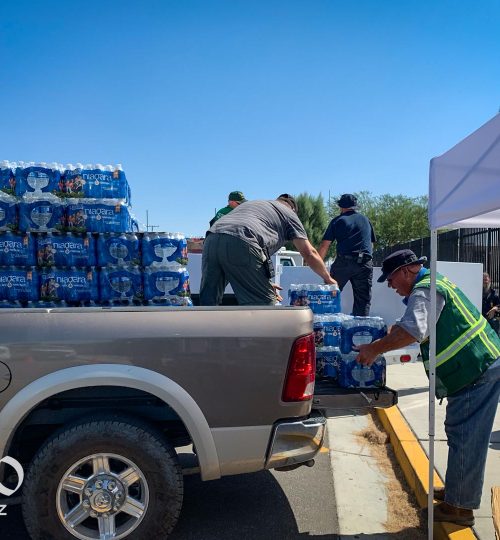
<point x="239" y="246"/>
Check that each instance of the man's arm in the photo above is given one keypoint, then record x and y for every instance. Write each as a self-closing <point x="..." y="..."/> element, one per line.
<point x="323" y="248"/>
<point x="396" y="339"/>
<point x="312" y="258"/>
<point x="495" y="307"/>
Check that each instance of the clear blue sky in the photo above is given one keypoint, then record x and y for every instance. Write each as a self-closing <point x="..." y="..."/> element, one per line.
<point x="199" y="98"/>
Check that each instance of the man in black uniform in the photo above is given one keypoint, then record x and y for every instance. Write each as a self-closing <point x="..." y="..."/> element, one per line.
<point x="354" y="235"/>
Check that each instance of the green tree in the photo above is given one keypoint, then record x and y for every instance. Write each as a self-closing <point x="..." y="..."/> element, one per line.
<point x="312" y="213"/>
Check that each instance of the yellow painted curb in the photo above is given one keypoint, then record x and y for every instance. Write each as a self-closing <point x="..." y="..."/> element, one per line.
<point x="415" y="466"/>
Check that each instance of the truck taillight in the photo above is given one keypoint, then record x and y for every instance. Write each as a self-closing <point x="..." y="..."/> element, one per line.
<point x="299" y="382"/>
<point x="405" y="358"/>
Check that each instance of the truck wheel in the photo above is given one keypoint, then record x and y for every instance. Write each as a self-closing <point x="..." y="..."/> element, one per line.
<point x="103" y="480"/>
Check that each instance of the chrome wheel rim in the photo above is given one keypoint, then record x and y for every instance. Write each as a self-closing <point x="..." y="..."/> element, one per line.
<point x="102" y="497"/>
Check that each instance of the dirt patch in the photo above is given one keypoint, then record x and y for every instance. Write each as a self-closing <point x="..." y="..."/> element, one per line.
<point x="404" y="519"/>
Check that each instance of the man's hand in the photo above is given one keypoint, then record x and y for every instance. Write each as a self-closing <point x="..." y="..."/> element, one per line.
<point x="330" y="281"/>
<point x="396" y="339"/>
<point x="492" y="312"/>
<point x="367" y="354"/>
<point x="277" y="288"/>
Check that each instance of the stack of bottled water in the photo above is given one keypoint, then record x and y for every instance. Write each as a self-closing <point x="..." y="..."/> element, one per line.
<point x="17" y="249"/>
<point x="166" y="279"/>
<point x="335" y="337"/>
<point x="118" y="249"/>
<point x="97" y="199"/>
<point x="353" y="375"/>
<point x="121" y="277"/>
<point x="18" y="286"/>
<point x="67" y="269"/>
<point x="164" y="249"/>
<point x="96" y="182"/>
<point x="67" y="237"/>
<point x="39" y="188"/>
<point x="98" y="216"/>
<point x="40" y="197"/>
<point x="18" y="274"/>
<point x="320" y="298"/>
<point x="328" y="363"/>
<point x="65" y="250"/>
<point x="68" y="286"/>
<point x="336" y="333"/>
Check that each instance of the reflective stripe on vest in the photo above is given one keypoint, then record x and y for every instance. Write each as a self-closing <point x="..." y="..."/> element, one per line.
<point x="476" y="327"/>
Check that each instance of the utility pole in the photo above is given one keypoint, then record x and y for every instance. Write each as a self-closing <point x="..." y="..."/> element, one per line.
<point x="148" y="226"/>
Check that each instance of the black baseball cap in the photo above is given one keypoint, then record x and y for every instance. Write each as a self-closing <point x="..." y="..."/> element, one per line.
<point x="398" y="259"/>
<point x="347" y="201"/>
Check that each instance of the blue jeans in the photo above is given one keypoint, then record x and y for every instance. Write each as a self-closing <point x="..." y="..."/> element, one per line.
<point x="470" y="414"/>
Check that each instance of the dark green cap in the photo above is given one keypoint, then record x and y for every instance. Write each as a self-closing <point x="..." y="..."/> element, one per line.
<point x="237" y="196"/>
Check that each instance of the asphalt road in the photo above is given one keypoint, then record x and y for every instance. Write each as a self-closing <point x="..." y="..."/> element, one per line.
<point x="266" y="505"/>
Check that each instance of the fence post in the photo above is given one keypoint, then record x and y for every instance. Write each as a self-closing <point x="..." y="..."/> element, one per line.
<point x="488" y="247"/>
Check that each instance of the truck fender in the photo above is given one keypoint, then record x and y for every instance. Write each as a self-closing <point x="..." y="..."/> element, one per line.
<point x="135" y="377"/>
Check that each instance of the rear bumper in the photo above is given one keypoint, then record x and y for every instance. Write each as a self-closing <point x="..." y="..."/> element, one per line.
<point x="294" y="442"/>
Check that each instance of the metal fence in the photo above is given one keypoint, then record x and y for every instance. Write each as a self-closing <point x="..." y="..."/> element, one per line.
<point x="459" y="245"/>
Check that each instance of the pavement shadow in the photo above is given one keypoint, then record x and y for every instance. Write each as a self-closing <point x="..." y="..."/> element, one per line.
<point x="412" y="391"/>
<point x="249" y="506"/>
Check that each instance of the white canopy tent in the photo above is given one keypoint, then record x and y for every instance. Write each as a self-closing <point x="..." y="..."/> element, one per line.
<point x="464" y="191"/>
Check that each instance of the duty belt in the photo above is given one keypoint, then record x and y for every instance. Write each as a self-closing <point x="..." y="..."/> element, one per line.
<point x="355" y="256"/>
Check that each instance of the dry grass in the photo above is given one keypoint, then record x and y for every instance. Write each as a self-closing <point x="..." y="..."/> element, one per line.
<point x="404" y="521"/>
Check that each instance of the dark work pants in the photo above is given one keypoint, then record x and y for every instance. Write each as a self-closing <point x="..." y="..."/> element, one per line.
<point x="227" y="259"/>
<point x="360" y="276"/>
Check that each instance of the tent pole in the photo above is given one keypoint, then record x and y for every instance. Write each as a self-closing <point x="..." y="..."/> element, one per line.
<point x="432" y="383"/>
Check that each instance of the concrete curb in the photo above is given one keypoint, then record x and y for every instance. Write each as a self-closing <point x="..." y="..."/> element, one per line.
<point x="415" y="465"/>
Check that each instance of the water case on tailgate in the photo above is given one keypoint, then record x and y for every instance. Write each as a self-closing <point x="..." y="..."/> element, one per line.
<point x="342" y="383"/>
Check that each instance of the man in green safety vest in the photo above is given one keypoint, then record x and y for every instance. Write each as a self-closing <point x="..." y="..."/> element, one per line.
<point x="467" y="374"/>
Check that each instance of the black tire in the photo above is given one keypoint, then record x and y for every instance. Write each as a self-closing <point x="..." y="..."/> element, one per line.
<point x="139" y="444"/>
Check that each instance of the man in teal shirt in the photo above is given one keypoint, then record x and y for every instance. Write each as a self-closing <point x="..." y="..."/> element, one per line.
<point x="235" y="198"/>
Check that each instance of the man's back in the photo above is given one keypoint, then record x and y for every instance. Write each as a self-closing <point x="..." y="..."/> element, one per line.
<point x="353" y="233"/>
<point x="265" y="224"/>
